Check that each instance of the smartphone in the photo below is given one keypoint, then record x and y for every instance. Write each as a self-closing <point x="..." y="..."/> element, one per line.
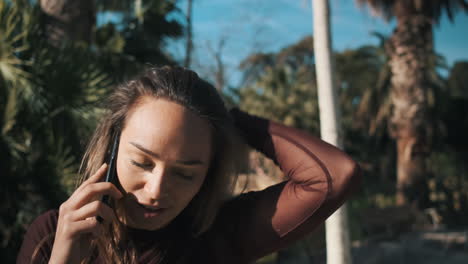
<point x="111" y="167"/>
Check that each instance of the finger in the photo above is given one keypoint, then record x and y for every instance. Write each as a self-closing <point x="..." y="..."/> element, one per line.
<point x="93" y="178"/>
<point x="96" y="176"/>
<point x="93" y="192"/>
<point x="93" y="209"/>
<point x="90" y="225"/>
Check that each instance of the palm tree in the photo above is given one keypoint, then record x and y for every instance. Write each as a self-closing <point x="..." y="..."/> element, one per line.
<point x="410" y="50"/>
<point x="337" y="232"/>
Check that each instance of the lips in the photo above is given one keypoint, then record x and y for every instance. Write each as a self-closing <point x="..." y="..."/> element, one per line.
<point x="149" y="211"/>
<point x="151" y="208"/>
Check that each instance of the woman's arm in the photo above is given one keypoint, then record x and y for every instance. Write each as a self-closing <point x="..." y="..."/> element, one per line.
<point x="320" y="178"/>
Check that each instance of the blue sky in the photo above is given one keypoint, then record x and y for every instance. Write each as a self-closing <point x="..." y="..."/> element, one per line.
<point x="249" y="26"/>
<point x="268" y="25"/>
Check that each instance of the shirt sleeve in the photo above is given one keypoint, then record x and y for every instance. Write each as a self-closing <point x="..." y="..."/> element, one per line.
<point x="319" y="179"/>
<point x="39" y="239"/>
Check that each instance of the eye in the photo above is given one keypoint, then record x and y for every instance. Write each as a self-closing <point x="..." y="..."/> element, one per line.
<point x="183" y="175"/>
<point x="145" y="166"/>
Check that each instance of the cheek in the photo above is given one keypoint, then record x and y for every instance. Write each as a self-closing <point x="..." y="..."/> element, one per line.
<point x="185" y="191"/>
<point x="126" y="175"/>
<point x="191" y="190"/>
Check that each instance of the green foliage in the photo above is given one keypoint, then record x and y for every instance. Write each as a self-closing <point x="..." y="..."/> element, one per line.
<point x="137" y="40"/>
<point x="282" y="86"/>
<point x="12" y="41"/>
<point x="448" y="186"/>
<point x="109" y="39"/>
<point x="458" y="80"/>
<point x="363" y="79"/>
<point x="283" y="95"/>
<point x="143" y="36"/>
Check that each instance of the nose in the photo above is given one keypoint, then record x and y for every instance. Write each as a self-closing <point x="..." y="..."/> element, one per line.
<point x="157" y="184"/>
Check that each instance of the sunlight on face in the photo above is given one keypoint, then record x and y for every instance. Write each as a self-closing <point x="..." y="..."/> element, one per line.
<point x="163" y="158"/>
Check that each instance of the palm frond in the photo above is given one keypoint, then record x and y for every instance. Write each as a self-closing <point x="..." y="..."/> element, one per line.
<point x="434" y="9"/>
<point x="12" y="44"/>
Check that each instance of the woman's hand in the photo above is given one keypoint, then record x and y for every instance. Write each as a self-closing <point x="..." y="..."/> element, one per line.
<point x="78" y="222"/>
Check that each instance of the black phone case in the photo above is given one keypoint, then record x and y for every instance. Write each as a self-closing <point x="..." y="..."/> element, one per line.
<point x="111" y="169"/>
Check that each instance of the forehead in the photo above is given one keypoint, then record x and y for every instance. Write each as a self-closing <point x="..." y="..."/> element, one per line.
<point x="168" y="129"/>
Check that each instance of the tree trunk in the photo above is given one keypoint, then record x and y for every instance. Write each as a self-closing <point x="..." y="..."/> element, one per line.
<point x="337" y="232"/>
<point x="189" y="46"/>
<point x="68" y="19"/>
<point x="410" y="49"/>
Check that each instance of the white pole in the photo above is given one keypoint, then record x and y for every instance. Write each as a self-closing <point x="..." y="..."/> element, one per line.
<point x="337" y="231"/>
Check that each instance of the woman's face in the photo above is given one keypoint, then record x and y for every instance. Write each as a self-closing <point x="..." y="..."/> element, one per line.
<point x="163" y="158"/>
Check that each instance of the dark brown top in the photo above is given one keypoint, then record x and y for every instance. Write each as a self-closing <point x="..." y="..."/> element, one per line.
<point x="252" y="225"/>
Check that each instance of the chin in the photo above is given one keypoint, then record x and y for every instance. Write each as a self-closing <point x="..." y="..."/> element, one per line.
<point x="147" y="224"/>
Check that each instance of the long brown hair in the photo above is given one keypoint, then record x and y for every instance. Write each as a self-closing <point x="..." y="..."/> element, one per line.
<point x="184" y="87"/>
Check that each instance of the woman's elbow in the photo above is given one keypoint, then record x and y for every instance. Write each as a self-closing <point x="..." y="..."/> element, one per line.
<point x="346" y="179"/>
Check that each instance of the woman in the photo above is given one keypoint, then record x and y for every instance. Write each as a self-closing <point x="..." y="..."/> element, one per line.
<point x="178" y="153"/>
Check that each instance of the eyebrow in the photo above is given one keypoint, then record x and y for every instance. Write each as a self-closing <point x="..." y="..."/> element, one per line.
<point x="151" y="153"/>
